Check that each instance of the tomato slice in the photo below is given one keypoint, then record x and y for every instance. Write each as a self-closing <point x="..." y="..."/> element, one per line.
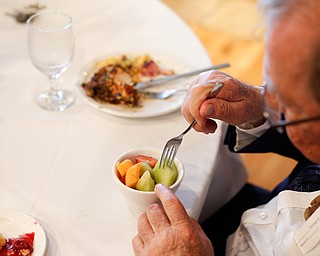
<point x="22" y="245"/>
<point x="148" y="159"/>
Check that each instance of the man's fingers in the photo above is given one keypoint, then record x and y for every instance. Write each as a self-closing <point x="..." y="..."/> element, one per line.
<point x="145" y="230"/>
<point x="196" y="225"/>
<point x="157" y="218"/>
<point x="203" y="236"/>
<point x="209" y="127"/>
<point x="198" y="95"/>
<point x="137" y="245"/>
<point x="171" y="204"/>
<point x="186" y="111"/>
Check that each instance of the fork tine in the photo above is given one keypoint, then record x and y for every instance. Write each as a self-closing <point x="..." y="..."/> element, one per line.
<point x="170" y="155"/>
<point x="163" y="156"/>
<point x="173" y="155"/>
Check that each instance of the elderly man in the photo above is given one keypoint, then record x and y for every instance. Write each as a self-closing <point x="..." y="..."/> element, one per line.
<point x="283" y="116"/>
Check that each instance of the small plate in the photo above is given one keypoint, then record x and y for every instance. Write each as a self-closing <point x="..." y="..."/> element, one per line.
<point x="150" y="107"/>
<point x="14" y="223"/>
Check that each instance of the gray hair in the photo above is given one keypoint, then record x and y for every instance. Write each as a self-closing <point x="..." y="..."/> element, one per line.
<point x="276" y="8"/>
<point x="273" y="8"/>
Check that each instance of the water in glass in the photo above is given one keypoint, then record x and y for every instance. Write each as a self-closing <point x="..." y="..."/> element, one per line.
<point x="51" y="50"/>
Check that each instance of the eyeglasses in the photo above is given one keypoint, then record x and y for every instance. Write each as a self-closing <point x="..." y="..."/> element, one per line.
<point x="271" y="111"/>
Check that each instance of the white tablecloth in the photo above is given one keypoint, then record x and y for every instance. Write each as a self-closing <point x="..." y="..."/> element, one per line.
<point x="56" y="167"/>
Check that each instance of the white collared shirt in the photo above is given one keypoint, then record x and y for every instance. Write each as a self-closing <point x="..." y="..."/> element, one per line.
<point x="278" y="228"/>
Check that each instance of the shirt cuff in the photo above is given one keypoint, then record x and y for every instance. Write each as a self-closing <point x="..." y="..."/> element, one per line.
<point x="246" y="136"/>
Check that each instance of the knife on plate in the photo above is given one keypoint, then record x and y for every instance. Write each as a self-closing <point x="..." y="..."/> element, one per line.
<point x="155" y="82"/>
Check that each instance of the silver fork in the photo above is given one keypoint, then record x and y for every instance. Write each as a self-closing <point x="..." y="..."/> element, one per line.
<point x="171" y="148"/>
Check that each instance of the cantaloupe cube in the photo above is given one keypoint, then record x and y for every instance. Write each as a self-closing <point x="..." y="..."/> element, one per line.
<point x="133" y="175"/>
<point x="123" y="166"/>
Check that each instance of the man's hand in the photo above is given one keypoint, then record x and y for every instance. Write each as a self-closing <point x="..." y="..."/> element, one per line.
<point x="236" y="104"/>
<point x="168" y="230"/>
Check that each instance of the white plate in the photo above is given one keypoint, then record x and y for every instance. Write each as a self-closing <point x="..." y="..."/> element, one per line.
<point x="150" y="107"/>
<point x="14" y="223"/>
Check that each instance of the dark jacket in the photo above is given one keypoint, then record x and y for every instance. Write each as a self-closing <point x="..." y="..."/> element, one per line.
<point x="306" y="174"/>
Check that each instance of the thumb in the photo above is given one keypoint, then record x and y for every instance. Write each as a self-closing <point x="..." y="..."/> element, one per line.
<point x="215" y="108"/>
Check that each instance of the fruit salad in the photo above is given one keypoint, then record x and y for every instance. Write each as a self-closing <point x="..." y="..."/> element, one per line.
<point x="144" y="173"/>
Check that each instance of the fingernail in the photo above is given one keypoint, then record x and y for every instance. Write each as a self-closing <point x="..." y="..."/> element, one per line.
<point x="209" y="110"/>
<point x="158" y="186"/>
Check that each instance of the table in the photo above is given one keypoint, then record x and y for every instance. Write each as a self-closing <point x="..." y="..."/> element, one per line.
<point x="56" y="167"/>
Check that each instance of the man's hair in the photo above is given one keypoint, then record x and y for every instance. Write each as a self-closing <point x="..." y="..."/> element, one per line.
<point x="274" y="9"/>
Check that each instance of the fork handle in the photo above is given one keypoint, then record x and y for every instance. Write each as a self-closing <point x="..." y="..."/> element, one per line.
<point x="189" y="127"/>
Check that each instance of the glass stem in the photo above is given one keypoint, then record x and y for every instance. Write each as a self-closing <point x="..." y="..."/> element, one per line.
<point x="54" y="83"/>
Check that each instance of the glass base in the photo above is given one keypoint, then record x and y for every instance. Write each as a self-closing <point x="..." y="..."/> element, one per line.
<point x="56" y="100"/>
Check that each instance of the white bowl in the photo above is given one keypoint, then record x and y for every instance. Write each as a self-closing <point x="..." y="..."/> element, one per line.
<point x="138" y="201"/>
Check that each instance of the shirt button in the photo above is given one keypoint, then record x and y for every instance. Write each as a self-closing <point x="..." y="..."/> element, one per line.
<point x="263" y="215"/>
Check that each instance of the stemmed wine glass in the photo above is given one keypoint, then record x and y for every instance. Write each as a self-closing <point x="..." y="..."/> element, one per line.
<point x="51" y="50"/>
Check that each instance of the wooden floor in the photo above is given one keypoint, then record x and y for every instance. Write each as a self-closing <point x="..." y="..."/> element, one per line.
<point x="232" y="31"/>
